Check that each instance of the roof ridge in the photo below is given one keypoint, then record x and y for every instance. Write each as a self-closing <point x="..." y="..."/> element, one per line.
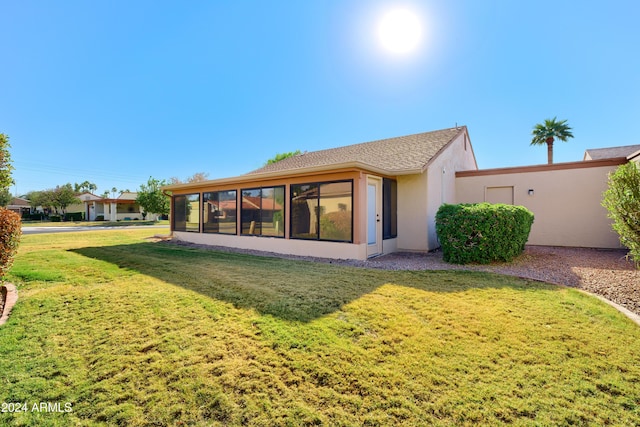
<point x="406" y="152"/>
<point x="387" y="139"/>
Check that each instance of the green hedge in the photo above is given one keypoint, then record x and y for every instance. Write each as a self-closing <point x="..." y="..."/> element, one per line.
<point x="74" y="216"/>
<point x="32" y="217"/>
<point x="482" y="232"/>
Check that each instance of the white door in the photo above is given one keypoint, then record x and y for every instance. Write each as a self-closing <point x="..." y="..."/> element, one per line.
<point x="374" y="216"/>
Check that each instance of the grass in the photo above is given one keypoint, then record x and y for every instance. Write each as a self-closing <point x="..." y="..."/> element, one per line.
<point x="132" y="332"/>
<point x="92" y="223"/>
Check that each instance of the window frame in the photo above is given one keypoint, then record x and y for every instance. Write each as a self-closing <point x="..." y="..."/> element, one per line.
<point x="389" y="208"/>
<point x="318" y="185"/>
<point x="260" y="214"/>
<point x="173" y="221"/>
<point x="217" y="192"/>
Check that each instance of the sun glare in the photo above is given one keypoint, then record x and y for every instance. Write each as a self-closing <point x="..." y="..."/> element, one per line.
<point x="399" y="31"/>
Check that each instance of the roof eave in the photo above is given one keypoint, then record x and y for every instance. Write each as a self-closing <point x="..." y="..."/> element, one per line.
<point x="292" y="172"/>
<point x="612" y="161"/>
<point x="633" y="155"/>
<point x="462" y="130"/>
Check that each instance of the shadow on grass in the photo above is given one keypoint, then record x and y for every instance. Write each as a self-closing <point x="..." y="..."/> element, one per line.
<point x="289" y="289"/>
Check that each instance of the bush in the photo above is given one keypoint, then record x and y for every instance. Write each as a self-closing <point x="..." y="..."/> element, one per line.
<point x="74" y="216"/>
<point x="10" y="232"/>
<point x="32" y="217"/>
<point x="100" y="218"/>
<point x="482" y="232"/>
<point x="55" y="218"/>
<point x="622" y="200"/>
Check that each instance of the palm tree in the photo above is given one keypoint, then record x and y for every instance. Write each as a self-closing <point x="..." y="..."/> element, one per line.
<point x="547" y="133"/>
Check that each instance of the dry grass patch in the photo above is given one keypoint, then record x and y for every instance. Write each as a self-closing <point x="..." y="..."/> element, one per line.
<point x="133" y="332"/>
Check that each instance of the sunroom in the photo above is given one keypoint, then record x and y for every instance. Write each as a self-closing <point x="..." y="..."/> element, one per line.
<point x="351" y="202"/>
<point x="316" y="214"/>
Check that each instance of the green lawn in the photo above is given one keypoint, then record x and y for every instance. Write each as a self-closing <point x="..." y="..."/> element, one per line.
<point x="91" y="223"/>
<point x="133" y="332"/>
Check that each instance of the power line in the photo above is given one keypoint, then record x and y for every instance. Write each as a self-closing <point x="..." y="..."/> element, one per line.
<point x="77" y="172"/>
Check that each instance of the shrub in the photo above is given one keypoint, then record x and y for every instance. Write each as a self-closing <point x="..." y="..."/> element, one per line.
<point x="100" y="218"/>
<point x="55" y="218"/>
<point x="74" y="216"/>
<point x="622" y="200"/>
<point x="10" y="232"/>
<point x="32" y="217"/>
<point x="482" y="232"/>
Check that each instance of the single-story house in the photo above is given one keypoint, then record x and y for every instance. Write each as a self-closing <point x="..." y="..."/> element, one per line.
<point x="349" y="202"/>
<point x="379" y="197"/>
<point x="20" y="206"/>
<point x="83" y="205"/>
<point x="123" y="207"/>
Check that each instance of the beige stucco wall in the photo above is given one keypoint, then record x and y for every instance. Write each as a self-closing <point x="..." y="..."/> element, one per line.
<point x="319" y="249"/>
<point x="565" y="202"/>
<point x="442" y="180"/>
<point x="412" y="213"/>
<point x="420" y="196"/>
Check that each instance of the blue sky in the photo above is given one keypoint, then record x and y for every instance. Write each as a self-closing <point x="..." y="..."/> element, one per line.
<point x="116" y="91"/>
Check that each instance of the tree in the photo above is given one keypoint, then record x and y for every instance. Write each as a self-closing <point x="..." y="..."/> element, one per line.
<point x="35" y="199"/>
<point x="152" y="199"/>
<point x="85" y="187"/>
<point x="622" y="201"/>
<point x="282" y="156"/>
<point x="46" y="199"/>
<point x="196" y="177"/>
<point x="548" y="132"/>
<point x="5" y="197"/>
<point x="64" y="196"/>
<point x="6" y="181"/>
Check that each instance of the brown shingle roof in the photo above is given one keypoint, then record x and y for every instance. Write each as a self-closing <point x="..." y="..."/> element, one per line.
<point x="611" y="152"/>
<point x="395" y="155"/>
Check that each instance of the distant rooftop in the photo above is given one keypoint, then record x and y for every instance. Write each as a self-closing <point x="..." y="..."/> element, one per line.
<point x="610" y="152"/>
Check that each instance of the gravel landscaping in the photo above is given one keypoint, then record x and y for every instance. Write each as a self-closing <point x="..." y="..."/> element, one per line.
<point x="604" y="272"/>
<point x="607" y="273"/>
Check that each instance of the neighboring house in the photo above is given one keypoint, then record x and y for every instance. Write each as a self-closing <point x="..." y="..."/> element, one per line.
<point x="628" y="151"/>
<point x="349" y="202"/>
<point x="19" y="205"/>
<point x="122" y="208"/>
<point x="83" y="206"/>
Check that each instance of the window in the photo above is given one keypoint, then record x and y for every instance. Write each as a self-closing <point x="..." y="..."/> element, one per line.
<point x="262" y="211"/>
<point x="186" y="212"/>
<point x="304" y="211"/>
<point x="389" y="208"/>
<point x="322" y="211"/>
<point x="219" y="212"/>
